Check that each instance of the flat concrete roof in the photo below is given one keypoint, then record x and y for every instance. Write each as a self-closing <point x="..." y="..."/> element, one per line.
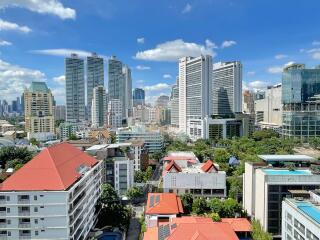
<point x="286" y="158"/>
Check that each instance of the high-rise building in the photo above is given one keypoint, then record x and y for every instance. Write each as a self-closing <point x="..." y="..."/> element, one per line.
<point x="114" y="113"/>
<point x="99" y="106"/>
<point x="227" y="88"/>
<point x="60" y="112"/>
<point x="195" y="81"/>
<point x="120" y="85"/>
<point x="39" y="113"/>
<point x="268" y="110"/>
<point x="248" y="101"/>
<point x="75" y="93"/>
<point x="138" y="97"/>
<point x="301" y="102"/>
<point x="162" y="101"/>
<point x="95" y="76"/>
<point x="174" y="105"/>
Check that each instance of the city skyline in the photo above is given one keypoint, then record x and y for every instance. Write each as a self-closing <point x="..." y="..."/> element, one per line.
<point x="34" y="40"/>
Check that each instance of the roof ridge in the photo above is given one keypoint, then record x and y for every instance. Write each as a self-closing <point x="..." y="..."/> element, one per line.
<point x="55" y="167"/>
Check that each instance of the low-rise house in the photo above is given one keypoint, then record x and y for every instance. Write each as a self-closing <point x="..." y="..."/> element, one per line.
<point x="53" y="196"/>
<point x="185" y="174"/>
<point x="162" y="207"/>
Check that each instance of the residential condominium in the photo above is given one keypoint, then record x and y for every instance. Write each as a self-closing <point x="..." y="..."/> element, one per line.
<point x="53" y="196"/>
<point x="38" y="110"/>
<point x="153" y="139"/>
<point x="183" y="173"/>
<point x="114" y="114"/>
<point x="267" y="183"/>
<point x="300" y="98"/>
<point x="195" y="80"/>
<point x="174" y="105"/>
<point x="227" y="88"/>
<point x="75" y="92"/>
<point x="99" y="107"/>
<point x="95" y="76"/>
<point x="301" y="216"/>
<point x="268" y="110"/>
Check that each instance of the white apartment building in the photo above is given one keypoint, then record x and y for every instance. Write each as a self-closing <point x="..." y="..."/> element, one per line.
<point x="52" y="196"/>
<point x="265" y="186"/>
<point x="183" y="173"/>
<point x="301" y="217"/>
<point x="195" y="80"/>
<point x="123" y="175"/>
<point x="268" y="110"/>
<point x="98" y="106"/>
<point x="115" y="113"/>
<point x="227" y="88"/>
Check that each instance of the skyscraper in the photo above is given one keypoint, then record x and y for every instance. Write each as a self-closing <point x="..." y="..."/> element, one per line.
<point x="174" y="105"/>
<point x="39" y="114"/>
<point x="227" y="88"/>
<point x="120" y="85"/>
<point x="95" y="76"/>
<point x="99" y="106"/>
<point x="301" y="102"/>
<point x="195" y="79"/>
<point x="138" y="97"/>
<point x="162" y="101"/>
<point x="75" y="94"/>
<point x="115" y="113"/>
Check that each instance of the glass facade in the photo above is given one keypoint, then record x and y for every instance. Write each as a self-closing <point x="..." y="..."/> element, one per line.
<point x="301" y="102"/>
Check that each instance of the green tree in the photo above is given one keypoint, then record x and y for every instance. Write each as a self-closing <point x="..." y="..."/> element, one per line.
<point x="216" y="205"/>
<point x="199" y="206"/>
<point x="108" y="195"/>
<point x="73" y="137"/>
<point x="16" y="154"/>
<point x="134" y="192"/>
<point x="113" y="137"/>
<point x="265" y="133"/>
<point x="258" y="233"/>
<point x="139" y="176"/>
<point x="187" y="200"/>
<point x="215" y="217"/>
<point x="231" y="208"/>
<point x="148" y="174"/>
<point x="34" y="141"/>
<point x="157" y="155"/>
<point x="221" y="155"/>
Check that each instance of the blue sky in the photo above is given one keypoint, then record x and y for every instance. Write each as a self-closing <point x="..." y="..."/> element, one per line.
<point x="150" y="36"/>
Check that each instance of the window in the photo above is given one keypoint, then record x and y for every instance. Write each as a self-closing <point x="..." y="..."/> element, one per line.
<point x="36" y="221"/>
<point x="9" y="233"/>
<point x="36" y="233"/>
<point x="41" y="195"/>
<point x="42" y="230"/>
<point x="35" y="198"/>
<point x="8" y="221"/>
<point x="8" y="210"/>
<point x="35" y="209"/>
<point x="41" y="206"/>
<point x="42" y="219"/>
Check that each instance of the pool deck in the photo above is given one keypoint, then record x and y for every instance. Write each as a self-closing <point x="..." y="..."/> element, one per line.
<point x="287" y="172"/>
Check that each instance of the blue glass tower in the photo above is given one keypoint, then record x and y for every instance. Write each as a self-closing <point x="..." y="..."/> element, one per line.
<point x="138" y="97"/>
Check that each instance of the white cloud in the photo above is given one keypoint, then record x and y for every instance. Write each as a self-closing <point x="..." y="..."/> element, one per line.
<point x="226" y="44"/>
<point x="59" y="95"/>
<point x="62" y="52"/>
<point x="258" y="84"/>
<point x="187" y="8"/>
<point x="5" y="43"/>
<point x="278" y="69"/>
<point x="280" y="56"/>
<point x="61" y="80"/>
<point x="210" y="44"/>
<point x="142" y="67"/>
<point x="173" y="50"/>
<point x="167" y="76"/>
<point x="316" y="43"/>
<point x="10" y="26"/>
<point x="53" y="7"/>
<point x="13" y="79"/>
<point x="157" y="87"/>
<point x="315" y="53"/>
<point x="251" y="73"/>
<point x="140" y="40"/>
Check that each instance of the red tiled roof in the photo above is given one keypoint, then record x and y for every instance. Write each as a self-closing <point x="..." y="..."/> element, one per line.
<point x="203" y="231"/>
<point x="177" y="158"/>
<point x="238" y="224"/>
<point x="171" y="165"/>
<point x="169" y="203"/>
<point x="191" y="219"/>
<point x="208" y="166"/>
<point x="55" y="168"/>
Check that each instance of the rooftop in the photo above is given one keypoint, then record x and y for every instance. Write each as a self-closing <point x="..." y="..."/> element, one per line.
<point x="163" y="203"/>
<point x="306" y="207"/>
<point x="38" y="87"/>
<point x="286" y="158"/>
<point x="238" y="224"/>
<point x="55" y="168"/>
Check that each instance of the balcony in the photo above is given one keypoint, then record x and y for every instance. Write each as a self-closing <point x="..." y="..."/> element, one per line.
<point x="24" y="225"/>
<point x="25" y="236"/>
<point x="24" y="211"/>
<point x="23" y="200"/>
<point x="3" y="225"/>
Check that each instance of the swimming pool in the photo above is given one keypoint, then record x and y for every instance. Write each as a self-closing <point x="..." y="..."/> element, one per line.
<point x="110" y="236"/>
<point x="286" y="172"/>
<point x="310" y="210"/>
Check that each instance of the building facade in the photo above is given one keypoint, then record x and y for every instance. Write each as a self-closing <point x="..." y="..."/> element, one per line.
<point x="66" y="130"/>
<point x="75" y="89"/>
<point x="227" y="88"/>
<point x="60" y="112"/>
<point x="138" y="97"/>
<point x="174" y="105"/>
<point x="49" y="200"/>
<point x="99" y="107"/>
<point x="301" y="103"/>
<point x="114" y="113"/>
<point x="124" y="175"/>
<point x="95" y="76"/>
<point x="39" y="112"/>
<point x="195" y="81"/>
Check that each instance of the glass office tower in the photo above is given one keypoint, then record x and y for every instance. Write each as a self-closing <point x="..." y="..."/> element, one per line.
<point x="301" y="102"/>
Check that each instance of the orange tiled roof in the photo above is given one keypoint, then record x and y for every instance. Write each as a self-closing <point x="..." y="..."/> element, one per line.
<point x="238" y="224"/>
<point x="54" y="168"/>
<point x="171" y="165"/>
<point x="208" y="166"/>
<point x="163" y="203"/>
